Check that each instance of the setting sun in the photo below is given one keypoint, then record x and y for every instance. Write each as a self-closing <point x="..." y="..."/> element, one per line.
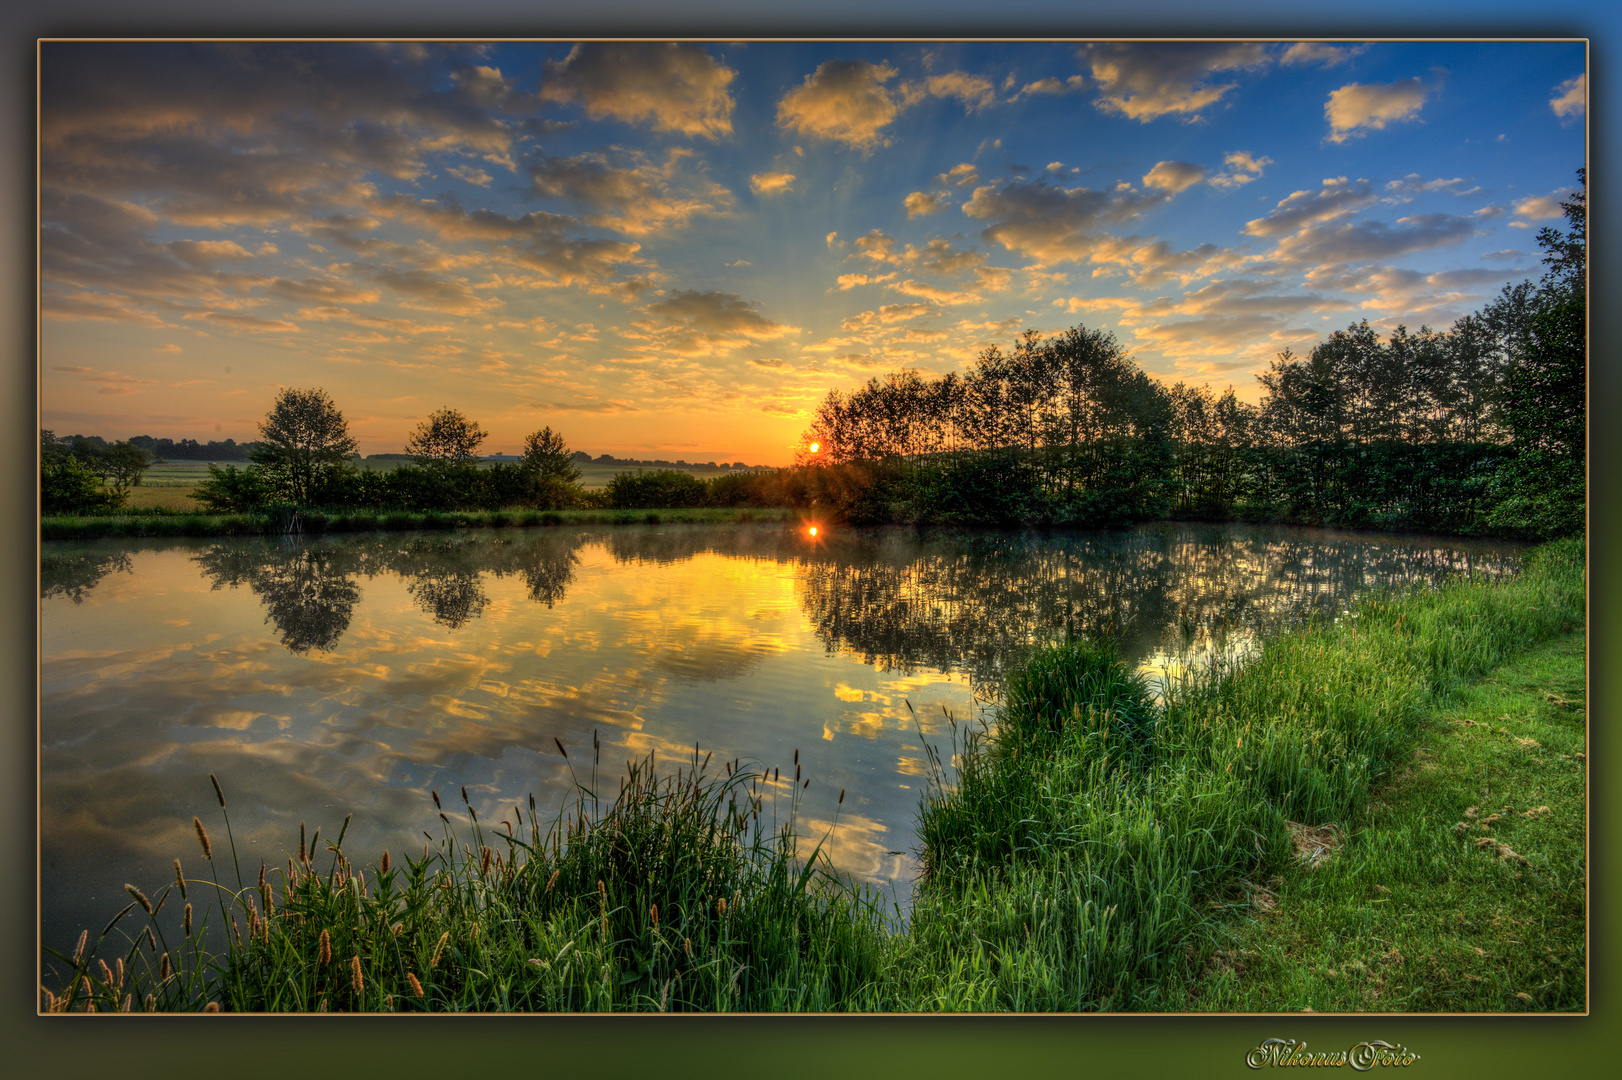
<point x="814" y="447"/>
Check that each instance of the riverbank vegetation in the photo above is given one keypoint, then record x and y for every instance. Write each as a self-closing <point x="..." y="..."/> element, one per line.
<point x="1086" y="857"/>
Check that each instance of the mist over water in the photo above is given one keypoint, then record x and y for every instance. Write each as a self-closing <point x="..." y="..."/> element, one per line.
<point x="331" y="676"/>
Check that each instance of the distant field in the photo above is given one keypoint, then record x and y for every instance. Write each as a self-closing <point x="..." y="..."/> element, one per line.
<point x="592" y="474"/>
<point x="168" y="484"/>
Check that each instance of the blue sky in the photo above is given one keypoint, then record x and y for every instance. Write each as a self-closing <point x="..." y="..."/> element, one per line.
<point x="676" y="250"/>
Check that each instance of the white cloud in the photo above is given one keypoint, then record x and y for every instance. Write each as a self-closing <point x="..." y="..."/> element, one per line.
<point x="923" y="203"/>
<point x="770" y="183"/>
<point x="1174" y="176"/>
<point x="1571" y="98"/>
<point x="1356" y="107"/>
<point x="1319" y="53"/>
<point x="974" y="91"/>
<point x="1335" y="198"/>
<point x="843" y="100"/>
<point x="1242" y="168"/>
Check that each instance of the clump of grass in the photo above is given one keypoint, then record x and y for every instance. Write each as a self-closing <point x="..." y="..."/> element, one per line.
<point x="678" y="896"/>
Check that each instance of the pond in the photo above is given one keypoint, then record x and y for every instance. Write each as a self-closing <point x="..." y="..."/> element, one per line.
<point x="353" y="675"/>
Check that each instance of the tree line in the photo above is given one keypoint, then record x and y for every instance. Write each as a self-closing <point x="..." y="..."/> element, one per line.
<point x="1479" y="428"/>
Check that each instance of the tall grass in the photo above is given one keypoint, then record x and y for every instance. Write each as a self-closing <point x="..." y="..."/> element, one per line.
<point x="1072" y="865"/>
<point x="1075" y="864"/>
<point x="679" y="896"/>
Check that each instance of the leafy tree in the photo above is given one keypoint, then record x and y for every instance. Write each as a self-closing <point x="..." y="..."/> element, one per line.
<point x="546" y="457"/>
<point x="305" y="439"/>
<point x="125" y="462"/>
<point x="446" y="438"/>
<point x="1544" y="403"/>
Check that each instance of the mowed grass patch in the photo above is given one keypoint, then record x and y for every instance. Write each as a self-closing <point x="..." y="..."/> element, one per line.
<point x="1461" y="886"/>
<point x="151" y="497"/>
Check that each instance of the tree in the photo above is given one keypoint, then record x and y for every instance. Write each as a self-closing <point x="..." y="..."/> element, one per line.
<point x="1544" y="406"/>
<point x="446" y="438"/>
<point x="305" y="441"/>
<point x="546" y="457"/>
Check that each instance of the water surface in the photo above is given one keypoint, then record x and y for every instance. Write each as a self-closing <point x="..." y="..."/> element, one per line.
<point x="331" y="676"/>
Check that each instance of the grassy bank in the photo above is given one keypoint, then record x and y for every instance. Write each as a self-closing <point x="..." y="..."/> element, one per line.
<point x="1087" y="858"/>
<point x="161" y="523"/>
<point x="1460" y="887"/>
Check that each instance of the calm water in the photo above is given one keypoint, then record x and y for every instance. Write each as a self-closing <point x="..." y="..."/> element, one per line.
<point x="322" y="677"/>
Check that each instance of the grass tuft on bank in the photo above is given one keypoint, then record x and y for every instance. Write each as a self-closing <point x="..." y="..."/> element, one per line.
<point x="1087" y="858"/>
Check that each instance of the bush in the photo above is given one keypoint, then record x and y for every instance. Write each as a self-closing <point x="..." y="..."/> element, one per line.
<point x="66" y="486"/>
<point x="232" y="490"/>
<point x="661" y="489"/>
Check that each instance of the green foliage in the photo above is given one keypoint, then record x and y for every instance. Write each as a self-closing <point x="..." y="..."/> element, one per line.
<point x="67" y="486"/>
<point x="656" y="490"/>
<point x="546" y="457"/>
<point x="305" y="441"/>
<point x="446" y="438"/>
<point x="236" y="490"/>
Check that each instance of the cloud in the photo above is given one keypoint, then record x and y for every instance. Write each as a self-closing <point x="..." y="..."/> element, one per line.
<point x="1052" y="86"/>
<point x="1242" y="168"/>
<point x="536" y="240"/>
<point x="421" y="288"/>
<point x="470" y="175"/>
<point x="1320" y="53"/>
<point x="251" y="323"/>
<point x="936" y="295"/>
<point x="1329" y="242"/>
<point x="672" y="86"/>
<point x="1571" y="98"/>
<point x="770" y="183"/>
<point x="106" y="382"/>
<point x="843" y="100"/>
<point x="921" y="203"/>
<point x="1411" y="292"/>
<point x="689" y="323"/>
<point x="1356" y="107"/>
<point x="1173" y="177"/>
<point x="850" y="281"/>
<point x="1146" y="81"/>
<point x="1540" y="207"/>
<point x="1336" y="198"/>
<point x="636" y="199"/>
<point x="974" y="91"/>
<point x="1051" y="224"/>
<point x="1413" y="184"/>
<point x="961" y="175"/>
<point x="1075" y="304"/>
<point x="1156" y="263"/>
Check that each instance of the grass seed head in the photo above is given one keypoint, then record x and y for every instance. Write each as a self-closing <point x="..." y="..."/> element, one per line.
<point x="180" y="879"/>
<point x="416" y="987"/>
<point x="218" y="794"/>
<point x="324" y="948"/>
<point x="355" y="980"/>
<point x="202" y="838"/>
<point x="140" y="898"/>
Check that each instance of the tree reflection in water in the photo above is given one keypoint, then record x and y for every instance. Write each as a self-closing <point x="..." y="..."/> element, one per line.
<point x="309" y="592"/>
<point x="964" y="601"/>
<point x="74" y="573"/>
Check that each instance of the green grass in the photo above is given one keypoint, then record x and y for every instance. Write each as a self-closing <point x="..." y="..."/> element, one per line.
<point x="1093" y="855"/>
<point x="1421" y="909"/>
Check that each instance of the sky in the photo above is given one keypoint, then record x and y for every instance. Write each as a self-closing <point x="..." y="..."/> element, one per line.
<point x="677" y="249"/>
